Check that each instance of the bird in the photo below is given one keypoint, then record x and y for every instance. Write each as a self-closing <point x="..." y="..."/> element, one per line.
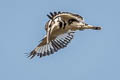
<point x="60" y="29"/>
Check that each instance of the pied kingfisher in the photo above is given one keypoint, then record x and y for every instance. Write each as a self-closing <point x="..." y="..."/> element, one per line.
<point x="60" y="30"/>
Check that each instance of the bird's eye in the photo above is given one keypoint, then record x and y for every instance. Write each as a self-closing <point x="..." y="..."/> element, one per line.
<point x="72" y="20"/>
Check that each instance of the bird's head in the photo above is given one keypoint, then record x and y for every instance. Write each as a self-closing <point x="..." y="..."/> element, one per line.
<point x="73" y="21"/>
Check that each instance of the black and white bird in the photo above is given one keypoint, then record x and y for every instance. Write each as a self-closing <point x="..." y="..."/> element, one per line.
<point x="60" y="30"/>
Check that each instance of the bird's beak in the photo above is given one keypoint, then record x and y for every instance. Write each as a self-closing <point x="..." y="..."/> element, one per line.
<point x="86" y="26"/>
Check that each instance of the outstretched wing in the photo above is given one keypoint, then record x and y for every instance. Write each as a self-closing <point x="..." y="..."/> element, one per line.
<point x="44" y="48"/>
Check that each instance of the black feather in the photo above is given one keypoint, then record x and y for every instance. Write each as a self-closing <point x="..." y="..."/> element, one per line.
<point x="49" y="16"/>
<point x="55" y="13"/>
<point x="59" y="12"/>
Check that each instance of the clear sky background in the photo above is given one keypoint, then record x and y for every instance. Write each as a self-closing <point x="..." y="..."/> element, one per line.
<point x="92" y="55"/>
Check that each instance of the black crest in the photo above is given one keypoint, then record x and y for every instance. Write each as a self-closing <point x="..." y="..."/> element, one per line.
<point x="51" y="15"/>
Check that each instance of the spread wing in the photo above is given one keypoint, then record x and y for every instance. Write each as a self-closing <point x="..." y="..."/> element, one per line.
<point x="44" y="48"/>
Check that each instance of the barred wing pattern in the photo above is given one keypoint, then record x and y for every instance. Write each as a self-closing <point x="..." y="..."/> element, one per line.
<point x="58" y="43"/>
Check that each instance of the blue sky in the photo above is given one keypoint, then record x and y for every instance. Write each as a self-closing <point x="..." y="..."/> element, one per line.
<point x="92" y="55"/>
